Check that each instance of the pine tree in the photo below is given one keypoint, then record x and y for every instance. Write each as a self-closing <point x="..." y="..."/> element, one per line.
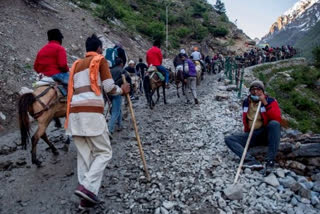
<point x="219" y="6"/>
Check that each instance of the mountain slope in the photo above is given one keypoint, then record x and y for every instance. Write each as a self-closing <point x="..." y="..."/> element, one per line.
<point x="294" y="24"/>
<point x="23" y="32"/>
<point x="23" y="27"/>
<point x="310" y="40"/>
<point x="191" y="22"/>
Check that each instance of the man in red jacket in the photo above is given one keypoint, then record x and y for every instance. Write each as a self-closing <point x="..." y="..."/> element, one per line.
<point x="51" y="60"/>
<point x="154" y="57"/>
<point x="266" y="129"/>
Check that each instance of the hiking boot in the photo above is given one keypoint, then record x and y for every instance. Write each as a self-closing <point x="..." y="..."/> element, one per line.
<point x="84" y="205"/>
<point x="252" y="164"/>
<point x="269" y="168"/>
<point x="196" y="101"/>
<point x="83" y="193"/>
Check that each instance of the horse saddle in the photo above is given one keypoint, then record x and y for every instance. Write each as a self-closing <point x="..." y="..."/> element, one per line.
<point x="48" y="81"/>
<point x="154" y="71"/>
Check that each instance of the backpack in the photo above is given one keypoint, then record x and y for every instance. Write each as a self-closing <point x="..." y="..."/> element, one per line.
<point x="111" y="56"/>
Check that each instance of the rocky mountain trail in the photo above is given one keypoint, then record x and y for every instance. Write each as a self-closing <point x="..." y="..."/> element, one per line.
<point x="191" y="167"/>
<point x="189" y="163"/>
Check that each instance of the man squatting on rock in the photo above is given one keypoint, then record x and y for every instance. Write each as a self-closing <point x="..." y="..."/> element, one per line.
<point x="85" y="120"/>
<point x="266" y="130"/>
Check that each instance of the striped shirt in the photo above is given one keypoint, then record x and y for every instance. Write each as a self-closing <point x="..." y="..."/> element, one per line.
<point x="86" y="110"/>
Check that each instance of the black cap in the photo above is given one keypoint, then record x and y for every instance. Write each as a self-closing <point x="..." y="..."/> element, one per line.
<point x="54" y="34"/>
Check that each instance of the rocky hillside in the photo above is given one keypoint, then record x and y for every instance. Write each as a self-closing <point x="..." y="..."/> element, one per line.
<point x="190" y="23"/>
<point x="310" y="40"/>
<point x="24" y="24"/>
<point x="294" y="24"/>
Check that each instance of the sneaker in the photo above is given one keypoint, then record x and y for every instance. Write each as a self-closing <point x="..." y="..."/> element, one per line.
<point x="133" y="98"/>
<point x="84" y="204"/>
<point x="167" y="86"/>
<point x="269" y="167"/>
<point x="83" y="193"/>
<point x="252" y="164"/>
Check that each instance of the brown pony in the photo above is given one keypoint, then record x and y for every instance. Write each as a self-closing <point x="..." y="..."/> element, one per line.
<point x="152" y="83"/>
<point x="44" y="104"/>
<point x="179" y="78"/>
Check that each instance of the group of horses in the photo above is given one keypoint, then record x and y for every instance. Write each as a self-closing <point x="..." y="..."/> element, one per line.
<point x="152" y="82"/>
<point x="46" y="103"/>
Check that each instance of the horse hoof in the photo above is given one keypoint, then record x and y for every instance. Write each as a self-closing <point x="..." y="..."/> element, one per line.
<point x="37" y="162"/>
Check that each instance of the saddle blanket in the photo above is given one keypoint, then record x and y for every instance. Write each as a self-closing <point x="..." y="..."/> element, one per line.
<point x="44" y="81"/>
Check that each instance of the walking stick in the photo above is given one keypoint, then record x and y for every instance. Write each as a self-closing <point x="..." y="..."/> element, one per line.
<point x="247" y="144"/>
<point x="136" y="131"/>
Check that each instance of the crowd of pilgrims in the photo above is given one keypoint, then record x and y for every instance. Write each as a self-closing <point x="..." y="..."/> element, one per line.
<point x="87" y="124"/>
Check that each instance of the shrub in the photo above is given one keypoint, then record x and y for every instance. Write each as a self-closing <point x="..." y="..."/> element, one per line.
<point x="199" y="31"/>
<point x="109" y="9"/>
<point x="289" y="86"/>
<point x="316" y="56"/>
<point x="300" y="102"/>
<point x="198" y="9"/>
<point x="185" y="17"/>
<point x="306" y="75"/>
<point x="219" y="31"/>
<point x="174" y="41"/>
<point x="154" y="29"/>
<point x="224" y="18"/>
<point x="182" y="32"/>
<point x="82" y="3"/>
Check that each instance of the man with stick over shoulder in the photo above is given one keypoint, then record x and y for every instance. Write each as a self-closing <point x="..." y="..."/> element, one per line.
<point x="89" y="78"/>
<point x="266" y="127"/>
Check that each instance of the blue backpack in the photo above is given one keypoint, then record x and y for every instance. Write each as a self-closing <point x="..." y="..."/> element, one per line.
<point x="111" y="56"/>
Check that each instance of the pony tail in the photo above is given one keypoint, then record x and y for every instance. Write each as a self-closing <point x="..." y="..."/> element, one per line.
<point x="24" y="104"/>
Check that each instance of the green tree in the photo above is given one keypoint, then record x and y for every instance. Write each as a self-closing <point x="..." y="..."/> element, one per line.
<point x="219" y="6"/>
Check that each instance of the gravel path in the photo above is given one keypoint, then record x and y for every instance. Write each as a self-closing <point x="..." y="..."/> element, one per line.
<point x="189" y="163"/>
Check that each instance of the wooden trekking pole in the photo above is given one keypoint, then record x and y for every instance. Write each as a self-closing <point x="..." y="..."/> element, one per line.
<point x="247" y="144"/>
<point x="137" y="134"/>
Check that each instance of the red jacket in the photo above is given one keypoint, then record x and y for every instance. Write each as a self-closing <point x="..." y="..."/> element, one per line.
<point x="268" y="112"/>
<point x="154" y="56"/>
<point x="51" y="59"/>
